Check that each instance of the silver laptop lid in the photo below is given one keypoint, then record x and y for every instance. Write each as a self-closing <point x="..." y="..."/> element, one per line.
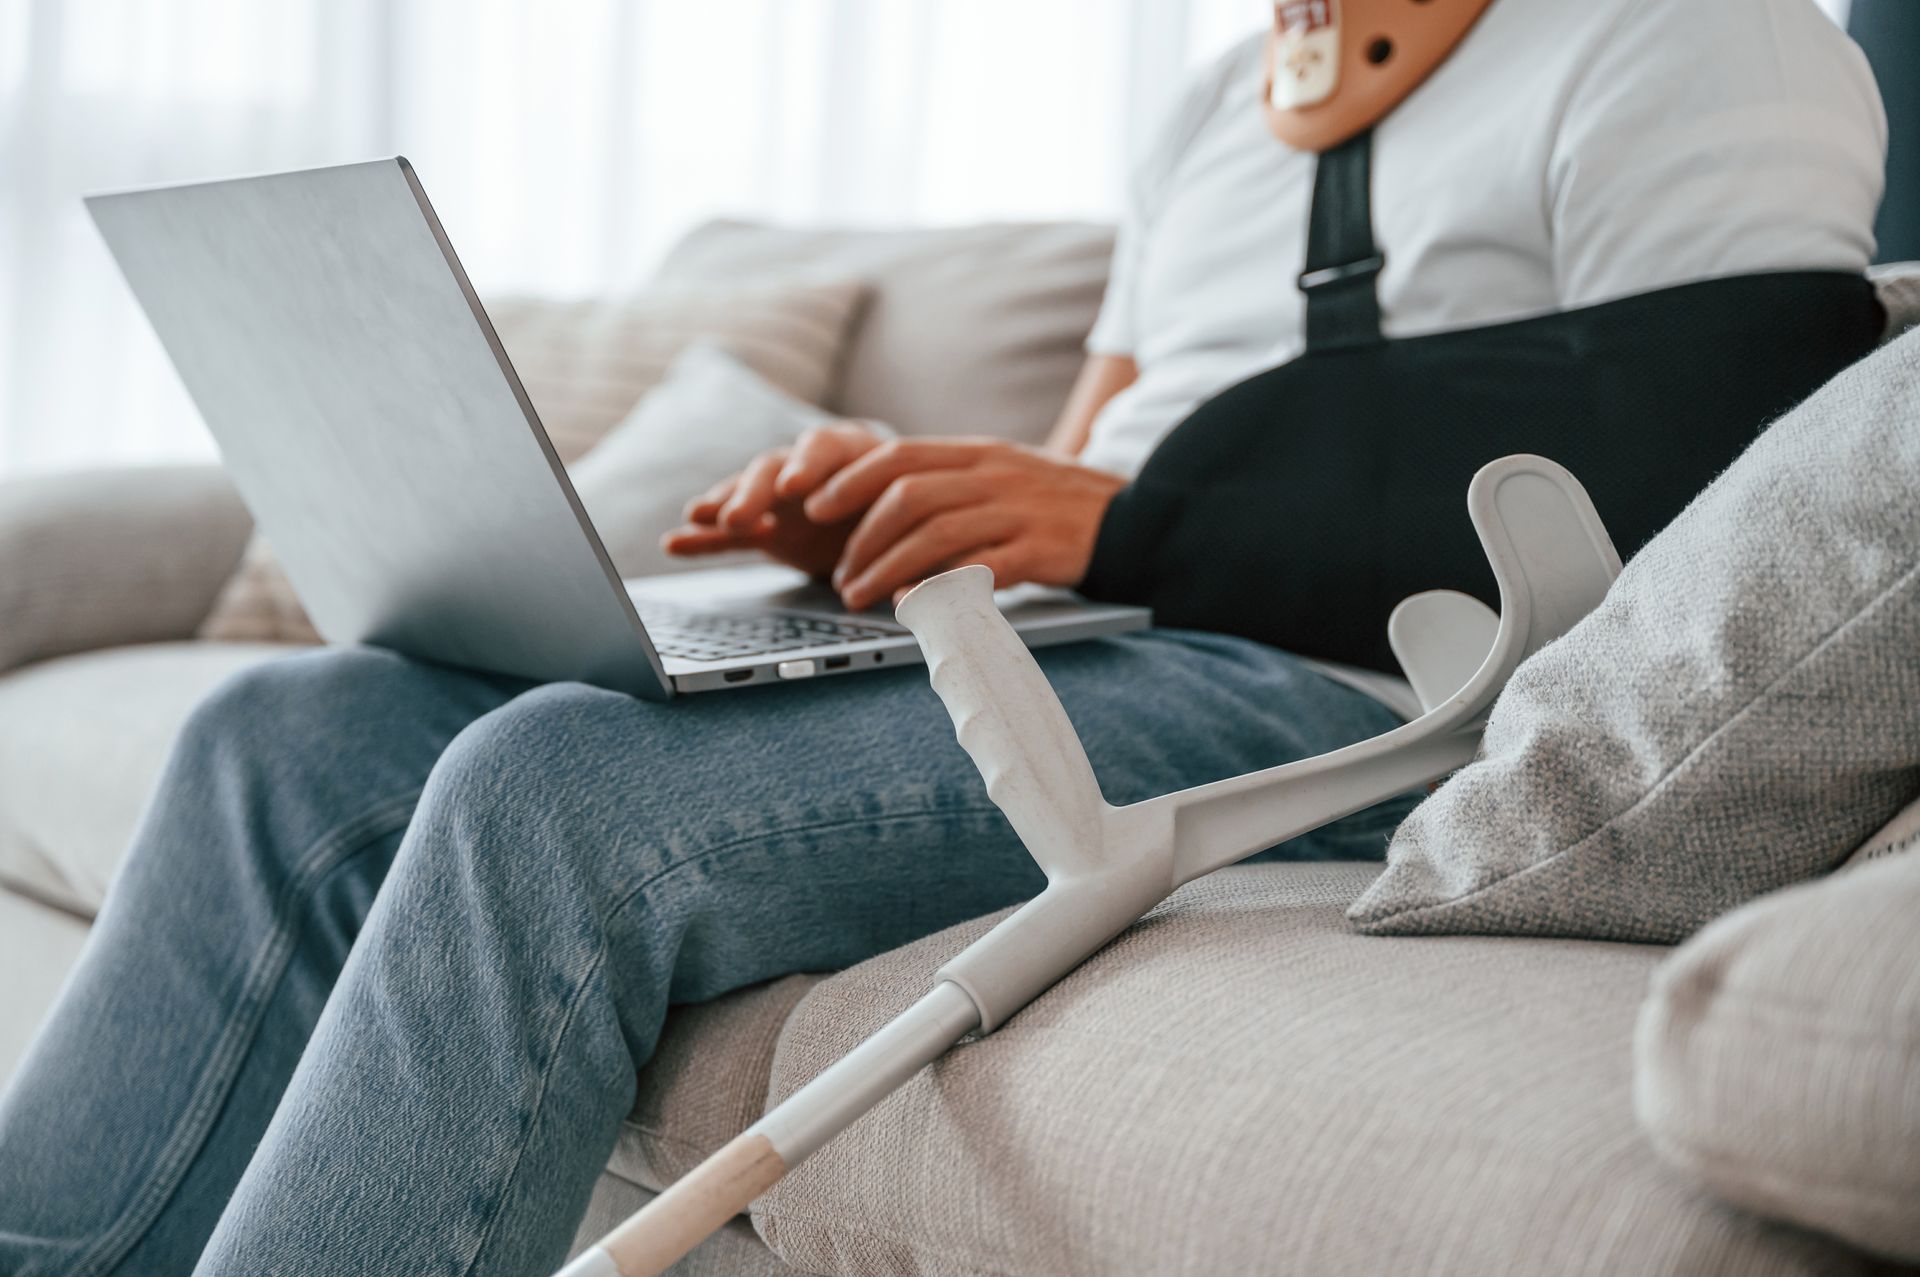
<point x="371" y="420"/>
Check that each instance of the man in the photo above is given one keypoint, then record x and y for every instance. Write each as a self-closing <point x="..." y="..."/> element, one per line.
<point x="1562" y="157"/>
<point x="372" y="991"/>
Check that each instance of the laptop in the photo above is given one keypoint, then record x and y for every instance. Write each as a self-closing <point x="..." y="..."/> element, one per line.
<point x="374" y="425"/>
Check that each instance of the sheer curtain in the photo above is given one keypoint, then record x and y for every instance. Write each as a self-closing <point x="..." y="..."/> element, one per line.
<point x="565" y="144"/>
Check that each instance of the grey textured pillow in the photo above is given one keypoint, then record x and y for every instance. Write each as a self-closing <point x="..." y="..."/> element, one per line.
<point x="1777" y="1058"/>
<point x="1736" y="716"/>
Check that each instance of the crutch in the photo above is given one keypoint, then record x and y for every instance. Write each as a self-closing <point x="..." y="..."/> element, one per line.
<point x="1107" y="866"/>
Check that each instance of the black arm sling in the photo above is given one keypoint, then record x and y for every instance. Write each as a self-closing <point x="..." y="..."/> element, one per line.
<point x="1298" y="507"/>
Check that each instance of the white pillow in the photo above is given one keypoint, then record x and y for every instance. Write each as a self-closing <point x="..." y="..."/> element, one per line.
<point x="708" y="418"/>
<point x="1777" y="1056"/>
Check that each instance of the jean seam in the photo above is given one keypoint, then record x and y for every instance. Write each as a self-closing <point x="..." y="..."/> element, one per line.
<point x="787" y="831"/>
<point x="555" y="1054"/>
<point x="219" y="1072"/>
<point x="587" y="976"/>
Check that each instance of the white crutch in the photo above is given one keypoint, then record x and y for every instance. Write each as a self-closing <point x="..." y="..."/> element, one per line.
<point x="1107" y="866"/>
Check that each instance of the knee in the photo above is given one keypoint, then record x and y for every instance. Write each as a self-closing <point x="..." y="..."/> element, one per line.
<point x="523" y="743"/>
<point x="509" y="788"/>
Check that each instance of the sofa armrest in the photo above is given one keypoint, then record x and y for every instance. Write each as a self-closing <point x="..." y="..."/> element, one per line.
<point x="111" y="557"/>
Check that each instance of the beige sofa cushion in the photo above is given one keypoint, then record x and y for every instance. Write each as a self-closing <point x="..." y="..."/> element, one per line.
<point x="1778" y="1058"/>
<point x="707" y="1081"/>
<point x="734" y="1251"/>
<point x="969" y="330"/>
<point x="38" y="946"/>
<point x="84" y="740"/>
<point x="1243" y="1085"/>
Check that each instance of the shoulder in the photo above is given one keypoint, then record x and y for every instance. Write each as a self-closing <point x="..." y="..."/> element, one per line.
<point x="1231" y="76"/>
<point x="1228" y="81"/>
<point x="1703" y="138"/>
<point x="1705" y="54"/>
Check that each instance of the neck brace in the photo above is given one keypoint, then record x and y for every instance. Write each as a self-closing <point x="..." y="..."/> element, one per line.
<point x="1337" y="67"/>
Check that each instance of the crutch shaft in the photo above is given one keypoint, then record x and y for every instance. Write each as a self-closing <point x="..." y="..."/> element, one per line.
<point x="703" y="1200"/>
<point x="1106" y="866"/>
<point x="697" y="1205"/>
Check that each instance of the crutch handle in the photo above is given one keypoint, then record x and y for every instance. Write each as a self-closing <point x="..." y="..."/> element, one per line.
<point x="1007" y="718"/>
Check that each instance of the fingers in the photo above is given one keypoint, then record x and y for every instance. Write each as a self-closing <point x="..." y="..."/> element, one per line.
<point x="945" y="539"/>
<point x="906" y="504"/>
<point x="857" y="485"/>
<point x="705" y="508"/>
<point x="753" y="495"/>
<point x="819" y="454"/>
<point x="696" y="539"/>
<point x="1001" y="560"/>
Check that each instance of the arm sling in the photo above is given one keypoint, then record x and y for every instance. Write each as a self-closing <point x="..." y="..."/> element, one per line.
<point x="1297" y="507"/>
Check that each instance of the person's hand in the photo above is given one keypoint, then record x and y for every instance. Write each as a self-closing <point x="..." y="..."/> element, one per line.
<point x="927" y="505"/>
<point x="759" y="508"/>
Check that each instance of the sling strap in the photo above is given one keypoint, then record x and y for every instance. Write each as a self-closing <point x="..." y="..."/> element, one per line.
<point x="1343" y="309"/>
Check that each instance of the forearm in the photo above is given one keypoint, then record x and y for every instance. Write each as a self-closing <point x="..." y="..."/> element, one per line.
<point x="1101" y="378"/>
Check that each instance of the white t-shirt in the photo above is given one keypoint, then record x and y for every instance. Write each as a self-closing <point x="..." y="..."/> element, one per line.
<point x="1569" y="152"/>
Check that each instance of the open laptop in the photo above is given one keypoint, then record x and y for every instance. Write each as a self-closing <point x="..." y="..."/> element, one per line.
<point x="375" y="427"/>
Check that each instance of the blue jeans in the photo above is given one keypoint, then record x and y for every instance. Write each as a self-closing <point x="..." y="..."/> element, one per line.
<point x="372" y="991"/>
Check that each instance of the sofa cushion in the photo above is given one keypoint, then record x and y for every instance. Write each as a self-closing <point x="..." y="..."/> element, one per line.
<point x="84" y="740"/>
<point x="707" y="1081"/>
<point x="1778" y="1057"/>
<point x="1737" y="714"/>
<point x="38" y="946"/>
<point x="1241" y="1084"/>
<point x="734" y="1251"/>
<point x="969" y="330"/>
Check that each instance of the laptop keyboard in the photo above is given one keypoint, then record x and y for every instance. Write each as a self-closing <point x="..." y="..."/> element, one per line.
<point x="720" y="636"/>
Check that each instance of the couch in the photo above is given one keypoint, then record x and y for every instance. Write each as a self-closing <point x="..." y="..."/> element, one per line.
<point x="1239" y="1084"/>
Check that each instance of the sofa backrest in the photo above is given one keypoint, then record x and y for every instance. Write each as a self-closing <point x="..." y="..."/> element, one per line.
<point x="969" y="330"/>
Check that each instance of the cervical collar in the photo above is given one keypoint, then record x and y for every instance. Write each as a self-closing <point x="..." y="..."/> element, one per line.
<point x="1337" y="67"/>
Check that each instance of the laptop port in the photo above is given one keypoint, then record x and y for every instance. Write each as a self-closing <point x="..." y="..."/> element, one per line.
<point x="839" y="662"/>
<point x="737" y="676"/>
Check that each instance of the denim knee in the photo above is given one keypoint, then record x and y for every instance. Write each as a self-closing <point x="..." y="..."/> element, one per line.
<point x="503" y="795"/>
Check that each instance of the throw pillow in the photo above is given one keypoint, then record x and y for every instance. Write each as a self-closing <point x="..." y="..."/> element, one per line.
<point x="1777" y="1057"/>
<point x="1737" y="715"/>
<point x="585" y="364"/>
<point x="709" y="418"/>
<point x="257" y="604"/>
